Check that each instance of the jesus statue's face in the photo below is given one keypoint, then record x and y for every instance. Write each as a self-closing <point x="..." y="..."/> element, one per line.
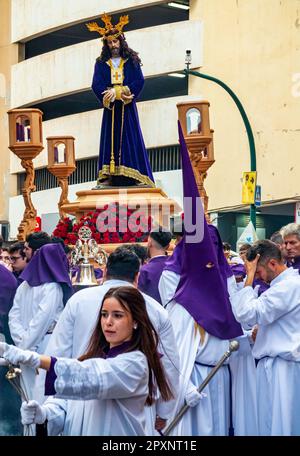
<point x="114" y="47"/>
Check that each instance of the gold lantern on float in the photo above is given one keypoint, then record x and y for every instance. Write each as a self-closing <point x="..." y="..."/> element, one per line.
<point x="25" y="141"/>
<point x="194" y="119"/>
<point x="61" y="163"/>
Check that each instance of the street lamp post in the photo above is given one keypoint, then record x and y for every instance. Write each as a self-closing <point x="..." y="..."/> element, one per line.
<point x="239" y="105"/>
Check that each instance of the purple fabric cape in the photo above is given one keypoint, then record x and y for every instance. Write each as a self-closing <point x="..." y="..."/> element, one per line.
<point x="173" y="262"/>
<point x="149" y="276"/>
<point x="8" y="287"/>
<point x="133" y="160"/>
<point x="201" y="290"/>
<point x="49" y="264"/>
<point x="238" y="269"/>
<point x="263" y="286"/>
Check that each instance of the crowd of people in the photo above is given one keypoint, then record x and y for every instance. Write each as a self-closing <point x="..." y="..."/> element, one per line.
<point x="123" y="357"/>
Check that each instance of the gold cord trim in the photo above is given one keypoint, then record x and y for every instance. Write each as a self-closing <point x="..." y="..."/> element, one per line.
<point x="127" y="172"/>
<point x="201" y="331"/>
<point x="117" y="76"/>
<point x="112" y="168"/>
<point x="121" y="135"/>
<point x="112" y="158"/>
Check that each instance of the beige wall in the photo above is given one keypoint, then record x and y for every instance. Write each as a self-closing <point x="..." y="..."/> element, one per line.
<point x="33" y="17"/>
<point x="8" y="56"/>
<point x="253" y="46"/>
<point x="70" y="69"/>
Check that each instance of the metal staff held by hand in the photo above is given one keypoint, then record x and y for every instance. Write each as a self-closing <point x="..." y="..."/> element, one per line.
<point x="13" y="375"/>
<point x="233" y="346"/>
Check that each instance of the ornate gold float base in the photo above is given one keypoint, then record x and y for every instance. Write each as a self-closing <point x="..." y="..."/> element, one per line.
<point x="152" y="201"/>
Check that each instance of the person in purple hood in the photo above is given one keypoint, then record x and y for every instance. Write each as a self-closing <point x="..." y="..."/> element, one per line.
<point x="171" y="274"/>
<point x="203" y="322"/>
<point x="38" y="302"/>
<point x="150" y="273"/>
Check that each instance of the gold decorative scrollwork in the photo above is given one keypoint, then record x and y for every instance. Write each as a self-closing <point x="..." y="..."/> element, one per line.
<point x="29" y="218"/>
<point x="63" y="182"/>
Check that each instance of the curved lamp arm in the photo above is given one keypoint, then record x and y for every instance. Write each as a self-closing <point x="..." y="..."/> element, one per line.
<point x="246" y="123"/>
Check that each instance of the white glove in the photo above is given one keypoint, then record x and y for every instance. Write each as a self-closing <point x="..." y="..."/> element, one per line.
<point x="193" y="397"/>
<point x="17" y="356"/>
<point x="33" y="412"/>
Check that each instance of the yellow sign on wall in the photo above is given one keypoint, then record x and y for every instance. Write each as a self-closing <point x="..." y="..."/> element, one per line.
<point x="248" y="190"/>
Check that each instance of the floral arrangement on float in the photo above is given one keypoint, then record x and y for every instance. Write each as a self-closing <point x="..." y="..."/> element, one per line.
<point x="114" y="223"/>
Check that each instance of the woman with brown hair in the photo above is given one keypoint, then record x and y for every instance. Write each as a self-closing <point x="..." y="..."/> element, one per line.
<point x="103" y="392"/>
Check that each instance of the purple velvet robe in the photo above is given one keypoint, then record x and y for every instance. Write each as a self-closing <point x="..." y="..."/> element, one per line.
<point x="149" y="276"/>
<point x="294" y="264"/>
<point x="263" y="286"/>
<point x="130" y="155"/>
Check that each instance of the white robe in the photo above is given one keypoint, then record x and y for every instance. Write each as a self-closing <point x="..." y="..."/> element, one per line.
<point x="277" y="312"/>
<point x="77" y="322"/>
<point x="211" y="416"/>
<point x="34" y="313"/>
<point x="167" y="286"/>
<point x="99" y="396"/>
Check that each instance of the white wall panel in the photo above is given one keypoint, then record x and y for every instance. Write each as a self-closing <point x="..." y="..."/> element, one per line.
<point x="35" y="17"/>
<point x="67" y="70"/>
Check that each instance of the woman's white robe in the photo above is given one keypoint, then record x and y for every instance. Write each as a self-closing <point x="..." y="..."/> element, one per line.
<point x="74" y="329"/>
<point x="99" y="396"/>
<point x="32" y="318"/>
